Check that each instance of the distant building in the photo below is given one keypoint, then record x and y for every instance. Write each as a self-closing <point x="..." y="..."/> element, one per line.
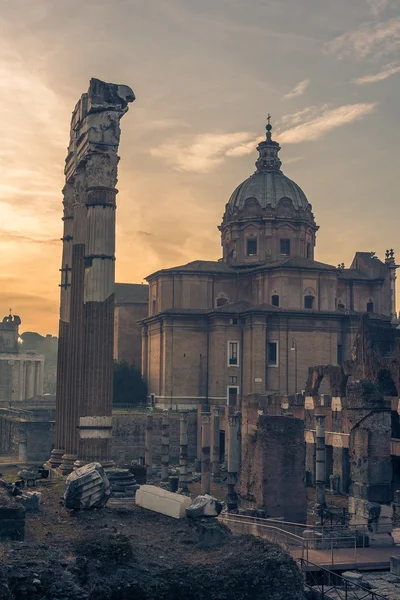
<point x="21" y="375"/>
<point x="131" y="305"/>
<point x="254" y="321"/>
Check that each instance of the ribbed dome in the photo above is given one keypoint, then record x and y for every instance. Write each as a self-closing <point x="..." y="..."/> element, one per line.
<point x="268" y="184"/>
<point x="268" y="187"/>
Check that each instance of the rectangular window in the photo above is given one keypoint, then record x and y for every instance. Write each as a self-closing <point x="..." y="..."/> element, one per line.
<point x="233" y="354"/>
<point x="272" y="354"/>
<point x="7" y="342"/>
<point x="339" y="354"/>
<point x="308" y="302"/>
<point x="233" y="379"/>
<point x="285" y="247"/>
<point x="251" y="248"/>
<point x="233" y="322"/>
<point x="233" y="393"/>
<point x="308" y="250"/>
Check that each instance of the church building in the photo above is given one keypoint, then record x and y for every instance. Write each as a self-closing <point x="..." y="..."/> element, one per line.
<point x="255" y="320"/>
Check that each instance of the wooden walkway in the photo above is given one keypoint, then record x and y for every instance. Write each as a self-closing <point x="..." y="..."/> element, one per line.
<point x="360" y="559"/>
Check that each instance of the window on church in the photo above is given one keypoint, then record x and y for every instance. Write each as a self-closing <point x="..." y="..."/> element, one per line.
<point x="233" y="393"/>
<point x="339" y="354"/>
<point x="222" y="301"/>
<point x="154" y="307"/>
<point x="7" y="342"/>
<point x="272" y="354"/>
<point x="308" y="250"/>
<point x="370" y="307"/>
<point x="285" y="247"/>
<point x="233" y="354"/>
<point x="251" y="247"/>
<point x="308" y="301"/>
<point x="233" y="379"/>
<point x="275" y="300"/>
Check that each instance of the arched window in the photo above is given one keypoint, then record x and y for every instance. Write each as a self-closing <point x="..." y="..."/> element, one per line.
<point x="221" y="300"/>
<point x="308" y="302"/>
<point x="370" y="306"/>
<point x="251" y="247"/>
<point x="275" y="300"/>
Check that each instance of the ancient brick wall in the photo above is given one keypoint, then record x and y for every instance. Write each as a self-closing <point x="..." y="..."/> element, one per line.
<point x="129" y="428"/>
<point x="273" y="468"/>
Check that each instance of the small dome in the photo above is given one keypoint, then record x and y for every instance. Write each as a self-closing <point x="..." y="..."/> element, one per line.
<point x="268" y="187"/>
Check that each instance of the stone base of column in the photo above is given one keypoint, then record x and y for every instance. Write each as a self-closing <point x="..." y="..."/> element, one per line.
<point x="232" y="497"/>
<point x="67" y="464"/>
<point x="55" y="458"/>
<point x="106" y="464"/>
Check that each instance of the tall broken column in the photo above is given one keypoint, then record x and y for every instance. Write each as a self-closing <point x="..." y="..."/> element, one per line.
<point x="165" y="446"/>
<point x="205" y="453"/>
<point x="234" y="456"/>
<point x="148" y="451"/>
<point x="215" y="453"/>
<point x="320" y="460"/>
<point x="183" y="454"/>
<point x="85" y="364"/>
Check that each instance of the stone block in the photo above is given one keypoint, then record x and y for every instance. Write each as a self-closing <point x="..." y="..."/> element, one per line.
<point x="395" y="565"/>
<point x="204" y="506"/>
<point x="87" y="487"/>
<point x="353" y="577"/>
<point x="12" y="523"/>
<point x="379" y="540"/>
<point x="30" y="500"/>
<point x="161" y="501"/>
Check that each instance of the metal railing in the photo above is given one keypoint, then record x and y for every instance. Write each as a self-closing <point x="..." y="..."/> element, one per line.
<point x="295" y="543"/>
<point x="329" y="585"/>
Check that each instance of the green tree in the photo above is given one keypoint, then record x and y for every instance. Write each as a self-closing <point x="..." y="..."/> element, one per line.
<point x="129" y="386"/>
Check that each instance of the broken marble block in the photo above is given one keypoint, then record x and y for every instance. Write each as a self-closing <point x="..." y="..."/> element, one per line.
<point x="30" y="500"/>
<point x="204" y="506"/>
<point x="87" y="487"/>
<point x="121" y="482"/>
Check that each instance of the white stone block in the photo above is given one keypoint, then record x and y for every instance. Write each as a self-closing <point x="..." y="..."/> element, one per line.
<point x="161" y="501"/>
<point x="395" y="565"/>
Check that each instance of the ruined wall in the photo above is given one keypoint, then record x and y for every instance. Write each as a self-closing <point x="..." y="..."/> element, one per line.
<point x="128" y="441"/>
<point x="273" y="468"/>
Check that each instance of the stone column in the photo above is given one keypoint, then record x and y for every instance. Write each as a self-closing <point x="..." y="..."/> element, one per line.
<point x="22" y="447"/>
<point x="165" y="446"/>
<point x="320" y="469"/>
<point x="234" y="456"/>
<point x="200" y="410"/>
<point x="183" y="455"/>
<point x="64" y="355"/>
<point x="148" y="451"/>
<point x="74" y="360"/>
<point x="106" y="105"/>
<point x="258" y="360"/>
<point x="205" y="453"/>
<point x="215" y="456"/>
<point x="21" y="381"/>
<point x="30" y="379"/>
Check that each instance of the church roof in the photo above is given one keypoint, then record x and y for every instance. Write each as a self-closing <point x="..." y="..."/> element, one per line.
<point x="268" y="187"/>
<point x="299" y="262"/>
<point x="131" y="293"/>
<point x="268" y="184"/>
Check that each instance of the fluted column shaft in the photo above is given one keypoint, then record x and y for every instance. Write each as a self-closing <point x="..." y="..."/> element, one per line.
<point x="205" y="454"/>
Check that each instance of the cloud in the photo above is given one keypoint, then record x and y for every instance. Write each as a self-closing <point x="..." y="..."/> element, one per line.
<point x="387" y="71"/>
<point x="298" y="90"/>
<point x="377" y="6"/>
<point x="14" y="236"/>
<point x="380" y="38"/>
<point x="317" y="126"/>
<point x="205" y="151"/>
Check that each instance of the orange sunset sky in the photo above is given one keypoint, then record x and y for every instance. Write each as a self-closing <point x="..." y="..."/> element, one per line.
<point x="205" y="73"/>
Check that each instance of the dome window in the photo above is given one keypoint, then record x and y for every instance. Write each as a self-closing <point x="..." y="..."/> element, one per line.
<point x="308" y="302"/>
<point x="370" y="306"/>
<point x="275" y="300"/>
<point x="308" y="250"/>
<point x="251" y="247"/>
<point x="221" y="300"/>
<point x="285" y="247"/>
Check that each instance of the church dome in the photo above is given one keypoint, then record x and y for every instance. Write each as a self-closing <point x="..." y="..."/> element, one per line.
<point x="268" y="185"/>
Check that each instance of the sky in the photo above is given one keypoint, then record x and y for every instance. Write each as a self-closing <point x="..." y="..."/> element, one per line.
<point x="205" y="73"/>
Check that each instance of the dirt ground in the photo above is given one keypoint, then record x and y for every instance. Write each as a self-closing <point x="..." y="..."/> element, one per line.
<point x="122" y="552"/>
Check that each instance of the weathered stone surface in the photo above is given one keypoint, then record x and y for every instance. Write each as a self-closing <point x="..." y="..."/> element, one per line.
<point x="30" y="500"/>
<point x="87" y="487"/>
<point x="121" y="481"/>
<point x="12" y="523"/>
<point x="211" y="533"/>
<point x="395" y="565"/>
<point x="161" y="501"/>
<point x="204" y="506"/>
<point x="353" y="577"/>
